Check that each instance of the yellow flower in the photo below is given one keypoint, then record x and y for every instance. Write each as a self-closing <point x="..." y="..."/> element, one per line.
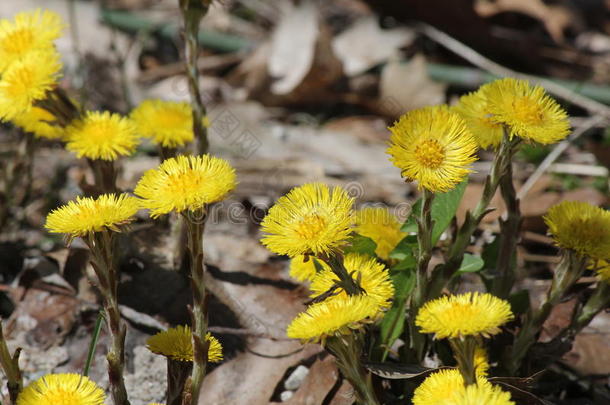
<point x="168" y="123"/>
<point x="39" y="122"/>
<point x="581" y="227"/>
<point x="382" y="227"/>
<point x="27" y="81"/>
<point x="30" y="31"/>
<point x="373" y="277"/>
<point x="185" y="183"/>
<point x="433" y="146"/>
<point x="333" y="317"/>
<point x="64" y="389"/>
<point x="465" y="314"/>
<point x="176" y="343"/>
<point x="487" y="394"/>
<point x="527" y="111"/>
<point x="305" y="270"/>
<point x="446" y="387"/>
<point x="101" y="135"/>
<point x="86" y="215"/>
<point x="474" y="109"/>
<point x="602" y="268"/>
<point x="481" y="361"/>
<point x="439" y="387"/>
<point x="310" y="219"/>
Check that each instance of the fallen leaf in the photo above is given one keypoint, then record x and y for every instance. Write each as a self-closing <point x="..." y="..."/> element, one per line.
<point x="293" y="46"/>
<point x="322" y="377"/>
<point x="365" y="45"/>
<point x="406" y="86"/>
<point x="554" y="17"/>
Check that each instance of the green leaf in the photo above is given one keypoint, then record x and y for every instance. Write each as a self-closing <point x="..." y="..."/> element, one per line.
<point x="444" y="207"/>
<point x="470" y="264"/>
<point x="393" y="322"/>
<point x="405" y="248"/>
<point x="362" y="245"/>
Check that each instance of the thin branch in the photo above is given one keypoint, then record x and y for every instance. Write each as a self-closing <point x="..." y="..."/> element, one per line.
<point x="555" y="153"/>
<point x="481" y="61"/>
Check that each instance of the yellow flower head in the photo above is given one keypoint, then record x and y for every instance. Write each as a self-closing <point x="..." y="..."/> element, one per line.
<point x="527" y="111"/>
<point x="177" y="344"/>
<point x="185" y="183"/>
<point x="167" y="123"/>
<point x="305" y="270"/>
<point x="310" y="219"/>
<point x="29" y="31"/>
<point x="374" y="279"/>
<point x="487" y="394"/>
<point x="86" y="215"/>
<point x="382" y="227"/>
<point x="465" y="314"/>
<point x="581" y="227"/>
<point x="474" y="109"/>
<point x="39" y="122"/>
<point x="447" y="387"/>
<point x="602" y="268"/>
<point x="27" y="81"/>
<point x="333" y="317"/>
<point x="64" y="389"/>
<point x="101" y="135"/>
<point x="439" y="387"/>
<point x="433" y="146"/>
<point x="481" y="361"/>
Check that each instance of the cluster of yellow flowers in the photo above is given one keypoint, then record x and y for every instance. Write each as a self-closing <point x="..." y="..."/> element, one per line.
<point x="313" y="224"/>
<point x="436" y="145"/>
<point x="460" y="318"/>
<point x="29" y="69"/>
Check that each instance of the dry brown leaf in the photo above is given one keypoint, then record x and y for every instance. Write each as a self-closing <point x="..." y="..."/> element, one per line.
<point x="590" y="354"/>
<point x="555" y="18"/>
<point x="322" y="377"/>
<point x="406" y="86"/>
<point x="365" y="44"/>
<point x="293" y="46"/>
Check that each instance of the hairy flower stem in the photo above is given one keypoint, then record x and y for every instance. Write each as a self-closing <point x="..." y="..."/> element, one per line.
<point x="178" y="373"/>
<point x="10" y="366"/>
<point x="192" y="13"/>
<point x="442" y="274"/>
<point x="417" y="340"/>
<point x="167" y="153"/>
<point x="105" y="174"/>
<point x="346" y="281"/>
<point x="101" y="244"/>
<point x="347" y="350"/>
<point x="61" y="106"/>
<point x="195" y="225"/>
<point x="568" y="271"/>
<point x="463" y="351"/>
<point x="597" y="302"/>
<point x="504" y="277"/>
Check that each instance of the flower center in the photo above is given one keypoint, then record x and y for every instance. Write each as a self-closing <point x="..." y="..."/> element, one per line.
<point x="62" y="397"/>
<point x="527" y="111"/>
<point x="311" y="226"/>
<point x="101" y="132"/>
<point x="430" y="154"/>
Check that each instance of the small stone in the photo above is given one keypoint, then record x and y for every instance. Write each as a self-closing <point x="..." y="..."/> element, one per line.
<point x="286" y="395"/>
<point x="295" y="379"/>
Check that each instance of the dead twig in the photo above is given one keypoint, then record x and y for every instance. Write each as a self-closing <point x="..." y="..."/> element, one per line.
<point x="481" y="61"/>
<point x="555" y="153"/>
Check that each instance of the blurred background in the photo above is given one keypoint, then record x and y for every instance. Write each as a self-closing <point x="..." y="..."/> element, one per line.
<point x="296" y="91"/>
